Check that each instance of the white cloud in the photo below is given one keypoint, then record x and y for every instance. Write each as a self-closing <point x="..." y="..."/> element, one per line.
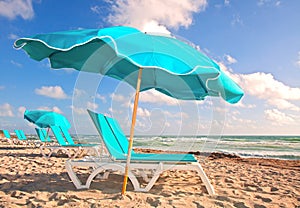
<point x="153" y="96"/>
<point x="278" y="118"/>
<point x="96" y="9"/>
<point x="51" y="91"/>
<point x="237" y="20"/>
<point x="141" y="112"/>
<point x="13" y="36"/>
<point x="16" y="64"/>
<point x="79" y="93"/>
<point x="175" y="115"/>
<point x="101" y="97"/>
<point x="118" y="97"/>
<point x="229" y="59"/>
<point x="242" y="105"/>
<point x="160" y="14"/>
<point x="2" y="87"/>
<point x="265" y="86"/>
<point x="13" y="8"/>
<point x="21" y="111"/>
<point x="154" y="27"/>
<point x="226" y="2"/>
<point x="283" y="104"/>
<point x="6" y="110"/>
<point x="91" y="105"/>
<point x="77" y="110"/>
<point x="269" y="2"/>
<point x="54" y="108"/>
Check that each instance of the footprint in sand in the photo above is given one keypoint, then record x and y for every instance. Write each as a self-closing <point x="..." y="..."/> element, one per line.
<point x="259" y="206"/>
<point x="240" y="205"/>
<point x="263" y="199"/>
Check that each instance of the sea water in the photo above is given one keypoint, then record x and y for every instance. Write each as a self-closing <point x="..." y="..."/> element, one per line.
<point x="281" y="147"/>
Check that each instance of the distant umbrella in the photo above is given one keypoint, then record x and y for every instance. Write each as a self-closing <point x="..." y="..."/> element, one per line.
<point x="45" y="119"/>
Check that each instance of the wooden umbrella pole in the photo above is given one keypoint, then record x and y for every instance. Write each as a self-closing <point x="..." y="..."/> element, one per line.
<point x="136" y="100"/>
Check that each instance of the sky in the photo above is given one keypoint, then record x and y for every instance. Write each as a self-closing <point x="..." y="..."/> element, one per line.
<point x="257" y="43"/>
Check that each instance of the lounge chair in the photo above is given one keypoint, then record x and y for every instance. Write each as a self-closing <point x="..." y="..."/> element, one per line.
<point x="67" y="145"/>
<point x="141" y="164"/>
<point x="20" y="135"/>
<point x="42" y="134"/>
<point x="22" y="139"/>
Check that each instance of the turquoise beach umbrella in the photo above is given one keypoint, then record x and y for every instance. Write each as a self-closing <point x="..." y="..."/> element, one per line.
<point x="45" y="119"/>
<point x="145" y="61"/>
<point x="121" y="51"/>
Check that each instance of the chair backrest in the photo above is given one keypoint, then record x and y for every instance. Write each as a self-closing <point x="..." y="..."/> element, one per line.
<point x="20" y="134"/>
<point x="67" y="135"/>
<point x="42" y="135"/>
<point x="108" y="136"/>
<point x="58" y="135"/>
<point x="6" y="134"/>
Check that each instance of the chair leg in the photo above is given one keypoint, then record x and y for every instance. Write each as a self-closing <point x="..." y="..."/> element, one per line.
<point x="73" y="176"/>
<point x="205" y="180"/>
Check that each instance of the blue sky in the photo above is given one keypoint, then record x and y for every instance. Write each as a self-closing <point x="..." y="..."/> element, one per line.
<point x="256" y="42"/>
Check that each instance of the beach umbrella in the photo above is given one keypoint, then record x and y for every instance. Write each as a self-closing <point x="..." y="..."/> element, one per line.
<point x="45" y="119"/>
<point x="145" y="61"/>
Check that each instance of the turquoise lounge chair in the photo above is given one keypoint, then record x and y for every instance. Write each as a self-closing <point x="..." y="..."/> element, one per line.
<point x="20" y="135"/>
<point x="6" y="134"/>
<point x="67" y="145"/>
<point x="143" y="165"/>
<point x="42" y="134"/>
<point x="22" y="139"/>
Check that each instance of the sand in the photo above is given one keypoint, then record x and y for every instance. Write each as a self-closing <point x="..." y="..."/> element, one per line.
<point x="29" y="180"/>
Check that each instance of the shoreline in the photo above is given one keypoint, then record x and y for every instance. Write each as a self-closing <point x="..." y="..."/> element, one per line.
<point x="28" y="179"/>
<point x="214" y="155"/>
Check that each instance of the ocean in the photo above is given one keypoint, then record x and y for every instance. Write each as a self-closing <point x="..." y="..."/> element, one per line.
<point x="280" y="147"/>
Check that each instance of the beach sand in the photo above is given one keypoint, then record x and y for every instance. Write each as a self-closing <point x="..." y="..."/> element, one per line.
<point x="29" y="180"/>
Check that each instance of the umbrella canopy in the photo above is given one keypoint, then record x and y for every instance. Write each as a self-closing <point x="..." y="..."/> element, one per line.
<point x="172" y="66"/>
<point x="145" y="61"/>
<point x="45" y="119"/>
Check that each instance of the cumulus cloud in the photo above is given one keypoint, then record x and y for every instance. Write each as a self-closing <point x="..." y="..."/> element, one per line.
<point x="277" y="117"/>
<point x="237" y="20"/>
<point x="268" y="2"/>
<point x="229" y="59"/>
<point x="101" y="97"/>
<point x="12" y="36"/>
<point x="13" y="8"/>
<point x="91" y="105"/>
<point x="51" y="91"/>
<point x="155" y="14"/>
<point x="6" y="110"/>
<point x="283" y="104"/>
<point x="153" y="96"/>
<point x="54" y="108"/>
<point x="16" y="64"/>
<point x="265" y="86"/>
<point x="78" y="110"/>
<point x="21" y="111"/>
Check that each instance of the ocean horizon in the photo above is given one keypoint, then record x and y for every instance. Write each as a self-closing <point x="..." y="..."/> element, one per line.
<point x="260" y="146"/>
